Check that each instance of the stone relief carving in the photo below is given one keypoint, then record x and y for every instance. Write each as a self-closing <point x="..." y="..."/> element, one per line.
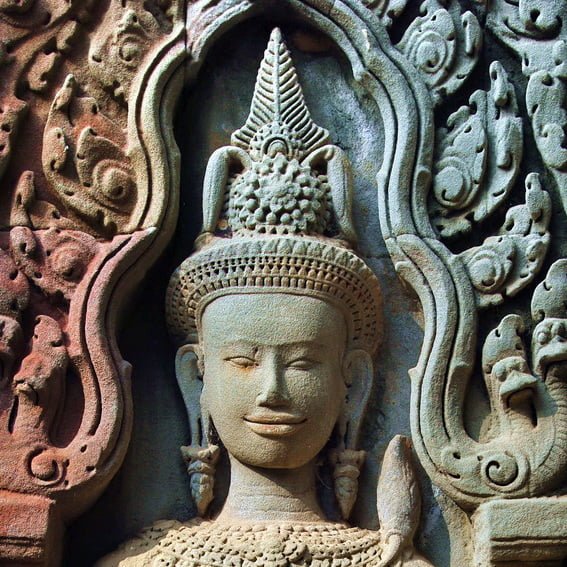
<point x="90" y="170"/>
<point x="276" y="256"/>
<point x="479" y="157"/>
<point x="443" y="44"/>
<point x="70" y="229"/>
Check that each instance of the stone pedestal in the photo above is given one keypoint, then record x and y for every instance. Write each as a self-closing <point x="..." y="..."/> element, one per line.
<point x="528" y="531"/>
<point x="30" y="531"/>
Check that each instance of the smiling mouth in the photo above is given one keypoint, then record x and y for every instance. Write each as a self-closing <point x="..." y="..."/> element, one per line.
<point x="276" y="424"/>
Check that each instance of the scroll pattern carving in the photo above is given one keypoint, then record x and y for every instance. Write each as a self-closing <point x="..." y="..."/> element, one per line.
<point x="84" y="159"/>
<point x="505" y="264"/>
<point x="521" y="450"/>
<point x="535" y="31"/>
<point x="122" y="41"/>
<point x="479" y="157"/>
<point x="444" y="45"/>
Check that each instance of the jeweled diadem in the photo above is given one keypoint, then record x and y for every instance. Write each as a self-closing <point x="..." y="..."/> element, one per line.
<point x="277" y="215"/>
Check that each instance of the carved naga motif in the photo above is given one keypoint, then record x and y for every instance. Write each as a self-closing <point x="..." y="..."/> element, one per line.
<point x="72" y="227"/>
<point x="520" y="452"/>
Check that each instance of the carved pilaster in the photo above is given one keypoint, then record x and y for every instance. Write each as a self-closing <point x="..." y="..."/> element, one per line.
<point x="78" y="213"/>
<point x="472" y="197"/>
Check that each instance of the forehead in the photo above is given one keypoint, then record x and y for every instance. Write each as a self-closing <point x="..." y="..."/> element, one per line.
<point x="272" y="318"/>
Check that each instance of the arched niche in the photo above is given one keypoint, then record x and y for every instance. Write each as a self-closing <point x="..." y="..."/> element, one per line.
<point x="188" y="105"/>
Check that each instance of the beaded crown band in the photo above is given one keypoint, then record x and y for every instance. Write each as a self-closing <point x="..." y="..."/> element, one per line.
<point x="277" y="216"/>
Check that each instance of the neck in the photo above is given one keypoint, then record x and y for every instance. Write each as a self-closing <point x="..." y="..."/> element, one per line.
<point x="262" y="495"/>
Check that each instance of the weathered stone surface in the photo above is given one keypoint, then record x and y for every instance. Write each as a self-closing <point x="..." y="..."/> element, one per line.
<point x="449" y="118"/>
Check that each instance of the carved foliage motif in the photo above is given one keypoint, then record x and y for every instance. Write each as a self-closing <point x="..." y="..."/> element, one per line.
<point x="36" y="36"/>
<point x="535" y="31"/>
<point x="68" y="232"/>
<point x="546" y="99"/>
<point x="507" y="263"/>
<point x="521" y="450"/>
<point x="387" y="10"/>
<point x="84" y="159"/>
<point x="123" y="39"/>
<point x="479" y="156"/>
<point x="443" y="44"/>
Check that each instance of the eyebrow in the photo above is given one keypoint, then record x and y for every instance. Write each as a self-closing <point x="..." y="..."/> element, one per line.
<point x="255" y="345"/>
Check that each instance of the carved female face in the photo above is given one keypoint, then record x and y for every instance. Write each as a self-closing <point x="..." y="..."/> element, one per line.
<point x="273" y="381"/>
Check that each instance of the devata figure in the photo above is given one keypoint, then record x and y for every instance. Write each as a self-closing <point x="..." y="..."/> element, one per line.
<point x="278" y="321"/>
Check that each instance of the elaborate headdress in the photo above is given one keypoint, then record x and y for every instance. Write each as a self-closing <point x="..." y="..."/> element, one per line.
<point x="277" y="215"/>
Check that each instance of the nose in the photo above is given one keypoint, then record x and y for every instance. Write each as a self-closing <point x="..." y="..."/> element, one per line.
<point x="273" y="388"/>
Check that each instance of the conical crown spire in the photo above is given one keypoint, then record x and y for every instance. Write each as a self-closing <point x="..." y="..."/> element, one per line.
<point x="279" y="121"/>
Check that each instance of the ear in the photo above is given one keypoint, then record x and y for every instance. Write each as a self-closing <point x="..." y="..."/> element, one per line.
<point x="189" y="379"/>
<point x="358" y="372"/>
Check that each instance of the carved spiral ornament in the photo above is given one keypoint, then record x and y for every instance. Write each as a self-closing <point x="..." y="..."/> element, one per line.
<point x="46" y="468"/>
<point x="504" y="472"/>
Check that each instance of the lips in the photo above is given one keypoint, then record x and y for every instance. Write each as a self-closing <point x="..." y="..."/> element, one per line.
<point x="275" y="424"/>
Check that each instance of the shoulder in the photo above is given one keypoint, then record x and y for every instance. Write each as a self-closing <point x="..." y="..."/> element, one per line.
<point x="145" y="546"/>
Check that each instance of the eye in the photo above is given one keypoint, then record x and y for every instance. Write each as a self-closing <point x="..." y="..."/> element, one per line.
<point x="241" y="361"/>
<point x="302" y="364"/>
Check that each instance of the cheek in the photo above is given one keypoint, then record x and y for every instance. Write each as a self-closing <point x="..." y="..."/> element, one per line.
<point x="225" y="396"/>
<point x="320" y="394"/>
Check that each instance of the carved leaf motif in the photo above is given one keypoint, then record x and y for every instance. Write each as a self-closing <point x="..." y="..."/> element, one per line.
<point x="15" y="294"/>
<point x="122" y="40"/>
<point x="478" y="157"/>
<point x="531" y="28"/>
<point x="84" y="159"/>
<point x="443" y="44"/>
<point x="527" y="24"/>
<point x="546" y="100"/>
<point x="54" y="260"/>
<point x="507" y="263"/>
<point x="36" y="15"/>
<point x="12" y="111"/>
<point x="278" y="103"/>
<point x="399" y="499"/>
<point x="35" y="39"/>
<point x="28" y="210"/>
<point x="45" y="65"/>
<point x="549" y="296"/>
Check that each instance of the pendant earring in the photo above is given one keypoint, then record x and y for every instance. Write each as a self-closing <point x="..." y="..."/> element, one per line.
<point x="347" y="464"/>
<point x="201" y="467"/>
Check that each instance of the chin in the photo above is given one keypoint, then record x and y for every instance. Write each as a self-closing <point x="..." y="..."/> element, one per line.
<point x="273" y="454"/>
